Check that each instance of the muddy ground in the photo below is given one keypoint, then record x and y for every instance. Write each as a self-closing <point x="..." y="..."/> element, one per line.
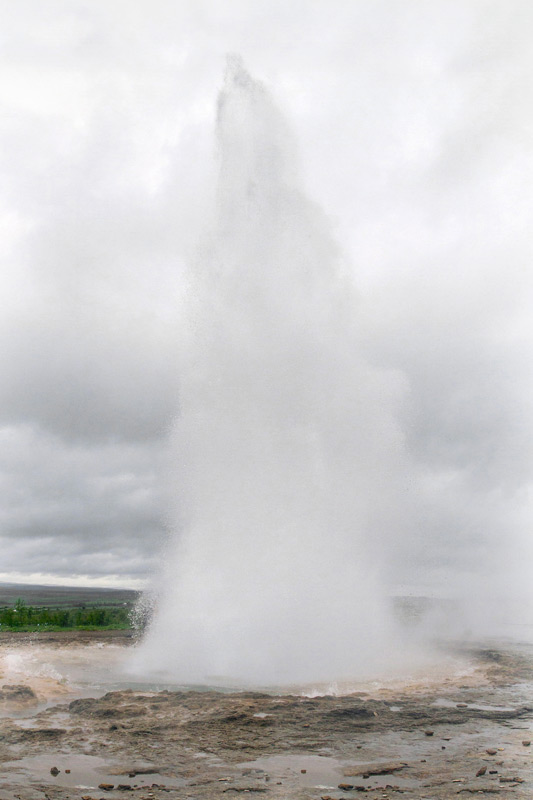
<point x="451" y="740"/>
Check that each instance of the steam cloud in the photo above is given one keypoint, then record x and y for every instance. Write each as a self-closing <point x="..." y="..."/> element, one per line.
<point x="298" y="493"/>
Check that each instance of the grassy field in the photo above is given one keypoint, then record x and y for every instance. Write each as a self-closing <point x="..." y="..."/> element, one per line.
<point x="31" y="608"/>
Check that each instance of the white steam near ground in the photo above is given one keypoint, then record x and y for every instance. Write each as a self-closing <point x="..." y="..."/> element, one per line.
<point x="411" y="128"/>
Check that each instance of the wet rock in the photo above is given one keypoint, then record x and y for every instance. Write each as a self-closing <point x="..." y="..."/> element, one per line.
<point x="352" y="712"/>
<point x="17" y="693"/>
<point x="54" y="771"/>
<point x="83" y="706"/>
<point x="373" y="769"/>
<point x="30" y="735"/>
<point x="150" y="770"/>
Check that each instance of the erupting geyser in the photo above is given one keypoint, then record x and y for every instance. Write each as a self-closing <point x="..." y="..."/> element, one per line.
<point x="288" y="456"/>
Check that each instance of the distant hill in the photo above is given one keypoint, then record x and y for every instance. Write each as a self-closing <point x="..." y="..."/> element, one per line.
<point x="67" y="596"/>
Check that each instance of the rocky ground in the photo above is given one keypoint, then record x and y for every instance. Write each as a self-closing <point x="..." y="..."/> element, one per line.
<point x="454" y="740"/>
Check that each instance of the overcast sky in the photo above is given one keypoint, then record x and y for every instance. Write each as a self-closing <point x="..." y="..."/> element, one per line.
<point x="414" y="122"/>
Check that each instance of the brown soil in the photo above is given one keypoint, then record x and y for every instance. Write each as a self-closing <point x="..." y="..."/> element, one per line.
<point x="419" y="743"/>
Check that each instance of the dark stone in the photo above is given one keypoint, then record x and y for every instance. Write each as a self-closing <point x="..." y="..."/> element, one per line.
<point x="365" y="770"/>
<point x="17" y="693"/>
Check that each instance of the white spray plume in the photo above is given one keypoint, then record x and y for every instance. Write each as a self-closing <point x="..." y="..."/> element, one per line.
<point x="286" y="439"/>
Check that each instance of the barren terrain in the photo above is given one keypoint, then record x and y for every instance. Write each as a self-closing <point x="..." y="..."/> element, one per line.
<point x="458" y="738"/>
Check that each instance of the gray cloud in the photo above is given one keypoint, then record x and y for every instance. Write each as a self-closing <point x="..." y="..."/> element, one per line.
<point x="99" y="507"/>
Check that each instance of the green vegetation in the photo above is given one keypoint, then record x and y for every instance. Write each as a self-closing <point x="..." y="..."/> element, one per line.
<point x="22" y="617"/>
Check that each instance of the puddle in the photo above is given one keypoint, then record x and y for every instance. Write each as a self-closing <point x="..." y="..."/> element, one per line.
<point x="58" y="720"/>
<point x="322" y="772"/>
<point x="86" y="772"/>
<point x="319" y="770"/>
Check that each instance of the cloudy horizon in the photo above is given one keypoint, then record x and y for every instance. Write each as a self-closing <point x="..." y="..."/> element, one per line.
<point x="412" y="124"/>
